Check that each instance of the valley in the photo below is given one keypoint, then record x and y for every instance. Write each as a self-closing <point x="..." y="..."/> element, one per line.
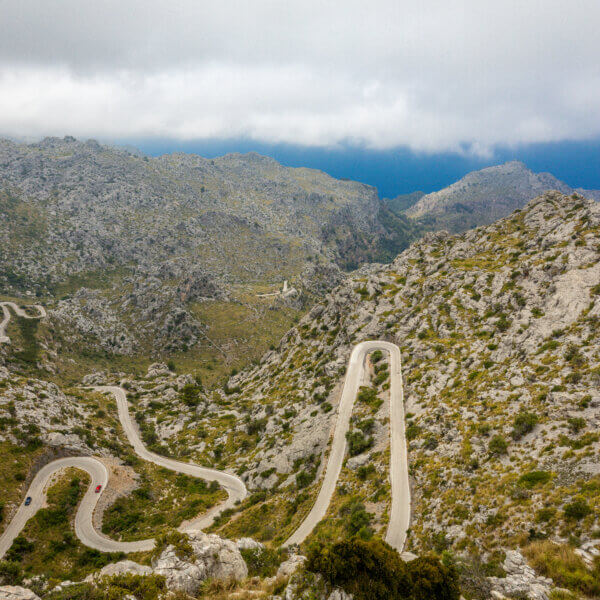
<point x="432" y="390"/>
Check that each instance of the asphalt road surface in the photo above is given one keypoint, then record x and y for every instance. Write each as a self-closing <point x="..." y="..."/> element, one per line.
<point x="236" y="490"/>
<point x="400" y="512"/>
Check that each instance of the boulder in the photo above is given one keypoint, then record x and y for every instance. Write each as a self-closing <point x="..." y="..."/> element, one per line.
<point x="248" y="544"/>
<point x="16" y="592"/>
<point x="119" y="568"/>
<point x="213" y="557"/>
<point x="291" y="565"/>
<point x="339" y="594"/>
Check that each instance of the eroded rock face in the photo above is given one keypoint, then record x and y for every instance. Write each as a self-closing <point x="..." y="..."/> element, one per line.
<point x="213" y="557"/>
<point x="521" y="580"/>
<point x="16" y="592"/>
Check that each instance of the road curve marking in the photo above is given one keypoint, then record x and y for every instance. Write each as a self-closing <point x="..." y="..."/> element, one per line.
<point x="4" y="339"/>
<point x="400" y="512"/>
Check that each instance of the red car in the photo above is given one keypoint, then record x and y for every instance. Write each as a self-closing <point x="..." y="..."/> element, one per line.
<point x="98" y="488"/>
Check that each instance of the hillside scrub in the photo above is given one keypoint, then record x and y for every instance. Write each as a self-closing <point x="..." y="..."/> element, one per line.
<point x="566" y="569"/>
<point x="372" y="570"/>
<point x="491" y="324"/>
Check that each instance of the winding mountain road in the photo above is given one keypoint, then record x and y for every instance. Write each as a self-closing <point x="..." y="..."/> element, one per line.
<point x="400" y="512"/>
<point x="84" y="528"/>
<point x="4" y="339"/>
<point x="236" y="490"/>
<point x="234" y="486"/>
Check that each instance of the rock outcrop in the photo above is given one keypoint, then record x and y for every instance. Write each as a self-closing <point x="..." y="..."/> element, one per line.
<point x="521" y="580"/>
<point x="15" y="592"/>
<point x="212" y="557"/>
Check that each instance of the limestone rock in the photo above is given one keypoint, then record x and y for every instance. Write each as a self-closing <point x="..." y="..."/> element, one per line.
<point x="15" y="592"/>
<point x="213" y="557"/>
<point x="521" y="580"/>
<point x="291" y="565"/>
<point x="119" y="568"/>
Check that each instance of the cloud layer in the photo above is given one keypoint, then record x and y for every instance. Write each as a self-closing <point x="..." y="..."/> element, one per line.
<point x="432" y="75"/>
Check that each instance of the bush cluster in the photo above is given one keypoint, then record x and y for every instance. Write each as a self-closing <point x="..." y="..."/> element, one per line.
<point x="373" y="570"/>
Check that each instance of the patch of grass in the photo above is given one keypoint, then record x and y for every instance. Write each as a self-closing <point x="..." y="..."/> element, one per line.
<point x="565" y="567"/>
<point x="163" y="500"/>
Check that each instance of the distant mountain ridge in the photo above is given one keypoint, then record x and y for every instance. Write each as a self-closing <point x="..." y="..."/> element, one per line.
<point x="126" y="249"/>
<point x="484" y="196"/>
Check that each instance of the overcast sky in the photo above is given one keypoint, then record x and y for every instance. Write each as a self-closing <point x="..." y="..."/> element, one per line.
<point x="430" y="75"/>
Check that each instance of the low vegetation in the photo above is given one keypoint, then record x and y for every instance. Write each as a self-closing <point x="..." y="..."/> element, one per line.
<point x="372" y="570"/>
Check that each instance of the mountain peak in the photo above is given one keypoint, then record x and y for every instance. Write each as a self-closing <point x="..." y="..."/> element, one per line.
<point x="483" y="196"/>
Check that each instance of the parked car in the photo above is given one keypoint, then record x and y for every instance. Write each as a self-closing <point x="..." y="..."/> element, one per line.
<point x="98" y="488"/>
<point x="28" y="501"/>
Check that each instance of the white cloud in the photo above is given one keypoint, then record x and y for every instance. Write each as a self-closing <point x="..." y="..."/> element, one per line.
<point x="432" y="75"/>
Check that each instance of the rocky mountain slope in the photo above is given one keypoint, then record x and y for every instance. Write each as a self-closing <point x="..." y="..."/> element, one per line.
<point x="71" y="207"/>
<point x="499" y="333"/>
<point x="136" y="246"/>
<point x="482" y="197"/>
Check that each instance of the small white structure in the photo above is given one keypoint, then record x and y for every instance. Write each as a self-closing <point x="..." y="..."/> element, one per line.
<point x="285" y="292"/>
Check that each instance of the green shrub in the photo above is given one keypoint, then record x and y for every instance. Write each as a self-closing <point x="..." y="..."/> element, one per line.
<point x="534" y="478"/>
<point x="543" y="515"/>
<point x="376" y="356"/>
<point x="305" y="478"/>
<point x="369" y="570"/>
<point x="358" y="442"/>
<point x="523" y="424"/>
<point x="412" y="431"/>
<point x="368" y="395"/>
<point x="256" y="426"/>
<point x="498" y="445"/>
<point x="576" y="424"/>
<point x="358" y="519"/>
<point x="433" y="581"/>
<point x="10" y="573"/>
<point x="373" y="570"/>
<point x="190" y="395"/>
<point x="19" y="548"/>
<point x="364" y="471"/>
<point x="262" y="562"/>
<point x="573" y="355"/>
<point x="577" y="510"/>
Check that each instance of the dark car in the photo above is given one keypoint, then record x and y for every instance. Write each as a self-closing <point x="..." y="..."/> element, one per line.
<point x="28" y="501"/>
<point x="98" y="488"/>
